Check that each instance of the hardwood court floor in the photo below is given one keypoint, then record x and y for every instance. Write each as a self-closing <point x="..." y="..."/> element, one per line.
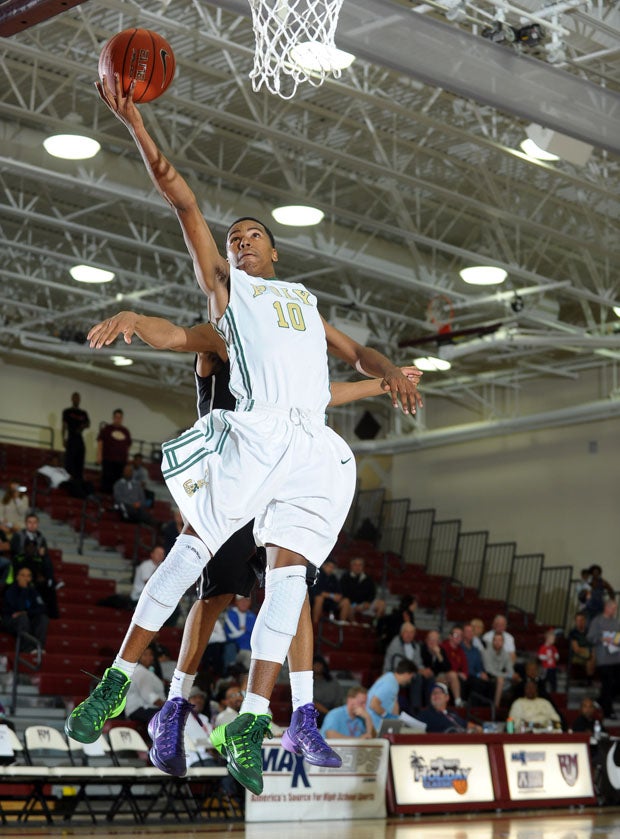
<point x="591" y="823"/>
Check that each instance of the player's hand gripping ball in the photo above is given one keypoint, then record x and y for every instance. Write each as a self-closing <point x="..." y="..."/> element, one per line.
<point x="140" y="55"/>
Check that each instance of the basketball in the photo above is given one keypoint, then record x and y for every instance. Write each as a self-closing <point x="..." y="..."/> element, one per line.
<point x="141" y="55"/>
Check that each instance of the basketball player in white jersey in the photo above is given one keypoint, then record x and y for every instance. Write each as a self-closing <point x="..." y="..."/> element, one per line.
<point x="272" y="459"/>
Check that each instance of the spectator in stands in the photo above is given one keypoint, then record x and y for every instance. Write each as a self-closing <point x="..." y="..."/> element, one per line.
<point x="129" y="499"/>
<point x="359" y="593"/>
<point x="533" y="711"/>
<point x="581" y="651"/>
<point x="404" y="646"/>
<point x="197" y="731"/>
<point x="389" y="625"/>
<point x="588" y="714"/>
<point x="437" y="717"/>
<point x="600" y="589"/>
<point x="499" y="625"/>
<point x="54" y="472"/>
<point x="74" y="421"/>
<point x="327" y="690"/>
<point x="604" y="634"/>
<point x="436" y="666"/>
<point x="171" y="529"/>
<point x="479" y="681"/>
<point x="325" y="594"/>
<point x="147" y="692"/>
<point x="498" y="665"/>
<point x="452" y="647"/>
<point x="549" y="657"/>
<point x="383" y="695"/>
<point x="23" y="610"/>
<point x="239" y="622"/>
<point x="583" y="588"/>
<point x="29" y="549"/>
<point x="5" y="556"/>
<point x="351" y="719"/>
<point x="141" y="475"/>
<point x="230" y="702"/>
<point x="477" y="626"/>
<point x="15" y="505"/>
<point x="113" y="444"/>
<point x="145" y="570"/>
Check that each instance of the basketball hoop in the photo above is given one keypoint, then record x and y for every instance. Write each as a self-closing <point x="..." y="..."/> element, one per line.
<point x="295" y="43"/>
<point x="440" y="313"/>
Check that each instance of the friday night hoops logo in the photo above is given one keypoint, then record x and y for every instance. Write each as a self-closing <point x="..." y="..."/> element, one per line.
<point x="441" y="773"/>
<point x="569" y="767"/>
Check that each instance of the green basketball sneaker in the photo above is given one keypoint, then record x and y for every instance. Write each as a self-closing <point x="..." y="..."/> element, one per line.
<point x="240" y="743"/>
<point x="85" y="723"/>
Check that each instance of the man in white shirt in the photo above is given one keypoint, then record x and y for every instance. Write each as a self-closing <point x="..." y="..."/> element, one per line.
<point x="231" y="703"/>
<point x="499" y="625"/>
<point x="145" y="570"/>
<point x="147" y="692"/>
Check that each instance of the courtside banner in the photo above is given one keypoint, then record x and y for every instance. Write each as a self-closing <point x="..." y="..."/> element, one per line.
<point x="441" y="774"/>
<point x="295" y="791"/>
<point x="548" y="770"/>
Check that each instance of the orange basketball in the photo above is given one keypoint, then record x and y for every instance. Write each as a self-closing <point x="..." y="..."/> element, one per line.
<point x="141" y="55"/>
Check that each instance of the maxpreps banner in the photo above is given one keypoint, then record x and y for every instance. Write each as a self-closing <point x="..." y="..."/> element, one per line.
<point x="548" y="770"/>
<point x="441" y="774"/>
<point x="294" y="790"/>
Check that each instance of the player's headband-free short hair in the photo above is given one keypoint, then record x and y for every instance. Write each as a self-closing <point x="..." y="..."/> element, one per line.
<point x="258" y="221"/>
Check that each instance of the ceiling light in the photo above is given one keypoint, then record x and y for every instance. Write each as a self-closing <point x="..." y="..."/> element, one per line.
<point x="483" y="275"/>
<point x="532" y="150"/>
<point x="121" y="361"/>
<point x="71" y="146"/>
<point x="315" y="57"/>
<point x="298" y="215"/>
<point x="617" y="311"/>
<point x="89" y="274"/>
<point x="431" y="364"/>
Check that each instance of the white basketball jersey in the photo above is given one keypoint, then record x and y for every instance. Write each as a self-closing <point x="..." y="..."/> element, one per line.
<point x="276" y="343"/>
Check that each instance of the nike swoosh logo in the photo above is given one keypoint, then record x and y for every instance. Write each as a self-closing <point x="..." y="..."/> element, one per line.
<point x="164" y="60"/>
<point x="345" y="461"/>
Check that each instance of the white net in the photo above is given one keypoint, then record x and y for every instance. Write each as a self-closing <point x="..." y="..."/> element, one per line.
<point x="295" y="43"/>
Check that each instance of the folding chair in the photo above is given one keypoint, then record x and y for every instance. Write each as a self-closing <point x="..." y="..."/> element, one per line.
<point x="129" y="753"/>
<point x="11" y="749"/>
<point x="215" y="795"/>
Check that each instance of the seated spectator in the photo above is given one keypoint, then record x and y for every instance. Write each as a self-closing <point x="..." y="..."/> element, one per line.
<point x="144" y="571"/>
<point x="438" y="719"/>
<point x="171" y="529"/>
<point x="328" y="693"/>
<point x="14" y="507"/>
<point x="351" y="719"/>
<point x="23" y="610"/>
<point x="581" y="652"/>
<point x="359" y="593"/>
<point x="499" y="625"/>
<point x="129" y="499"/>
<point x="325" y="594"/>
<point x="5" y="556"/>
<point x="197" y="731"/>
<point x="404" y="646"/>
<point x="477" y="626"/>
<point x="230" y="700"/>
<point x="532" y="711"/>
<point x="604" y="634"/>
<point x="498" y="665"/>
<point x="458" y="663"/>
<point x="59" y="478"/>
<point x="147" y="692"/>
<point x="435" y="665"/>
<point x="29" y="549"/>
<point x="389" y="625"/>
<point x="479" y="681"/>
<point x="141" y="475"/>
<point x="239" y="622"/>
<point x="549" y="657"/>
<point x="383" y="695"/>
<point x="589" y="713"/>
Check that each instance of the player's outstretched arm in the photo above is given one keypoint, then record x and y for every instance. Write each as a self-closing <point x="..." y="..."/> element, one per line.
<point x="344" y="392"/>
<point x="210" y="267"/>
<point x="159" y="333"/>
<point x="372" y="363"/>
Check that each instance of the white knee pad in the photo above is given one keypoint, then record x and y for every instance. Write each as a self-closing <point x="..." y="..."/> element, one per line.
<point x="277" y="621"/>
<point x="160" y="596"/>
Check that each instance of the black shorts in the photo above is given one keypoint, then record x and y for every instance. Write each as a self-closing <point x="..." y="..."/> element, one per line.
<point x="238" y="566"/>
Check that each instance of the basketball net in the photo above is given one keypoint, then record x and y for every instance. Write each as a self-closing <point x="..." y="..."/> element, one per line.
<point x="294" y="43"/>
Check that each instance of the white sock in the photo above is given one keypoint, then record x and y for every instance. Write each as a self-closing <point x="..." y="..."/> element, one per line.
<point x="302" y="684"/>
<point x="128" y="667"/>
<point x="254" y="704"/>
<point x="181" y="684"/>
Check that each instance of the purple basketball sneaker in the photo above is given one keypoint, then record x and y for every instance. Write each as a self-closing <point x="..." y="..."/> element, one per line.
<point x="304" y="738"/>
<point x="166" y="730"/>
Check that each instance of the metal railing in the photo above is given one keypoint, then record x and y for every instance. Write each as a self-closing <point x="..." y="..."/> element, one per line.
<point x="27" y="433"/>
